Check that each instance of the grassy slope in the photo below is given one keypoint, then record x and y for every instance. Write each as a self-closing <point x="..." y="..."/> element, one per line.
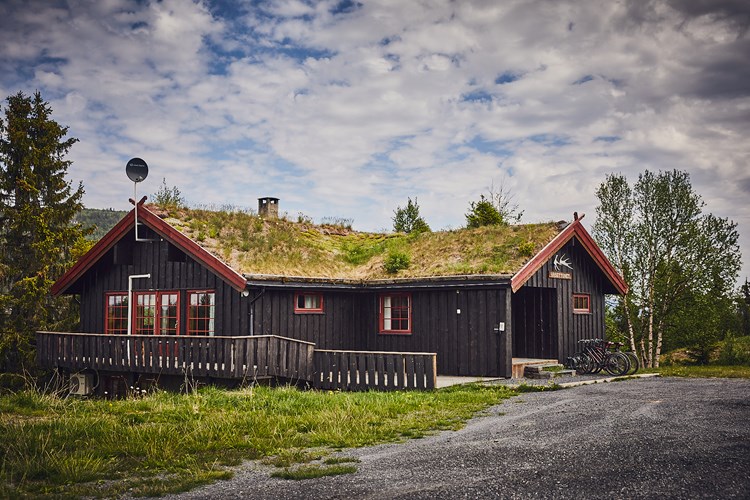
<point x="253" y="245"/>
<point x="168" y="442"/>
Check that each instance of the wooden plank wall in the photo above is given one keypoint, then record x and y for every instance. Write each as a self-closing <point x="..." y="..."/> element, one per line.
<point x="466" y="342"/>
<point x="152" y="257"/>
<point x="588" y="279"/>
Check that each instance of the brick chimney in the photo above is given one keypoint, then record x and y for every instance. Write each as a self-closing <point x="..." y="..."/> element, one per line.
<point x="268" y="207"/>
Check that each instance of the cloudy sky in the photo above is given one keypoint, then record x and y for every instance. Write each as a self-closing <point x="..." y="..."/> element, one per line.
<point x="345" y="109"/>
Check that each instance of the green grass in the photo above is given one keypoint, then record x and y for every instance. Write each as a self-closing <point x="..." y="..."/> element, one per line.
<point x="254" y="245"/>
<point x="166" y="442"/>
<point x="313" y="471"/>
<point x="702" y="371"/>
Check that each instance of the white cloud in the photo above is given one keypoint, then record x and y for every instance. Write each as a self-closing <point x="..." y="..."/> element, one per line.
<point x="348" y="114"/>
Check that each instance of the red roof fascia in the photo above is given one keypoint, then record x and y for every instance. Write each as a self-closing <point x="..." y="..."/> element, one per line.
<point x="93" y="255"/>
<point x="178" y="239"/>
<point x="574" y="229"/>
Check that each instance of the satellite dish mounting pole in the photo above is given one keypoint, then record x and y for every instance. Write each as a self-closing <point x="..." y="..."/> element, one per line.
<point x="137" y="170"/>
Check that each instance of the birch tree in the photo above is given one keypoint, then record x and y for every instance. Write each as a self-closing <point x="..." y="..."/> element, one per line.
<point x="667" y="250"/>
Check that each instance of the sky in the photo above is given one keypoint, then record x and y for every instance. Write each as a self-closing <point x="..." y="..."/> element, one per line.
<point x="346" y="109"/>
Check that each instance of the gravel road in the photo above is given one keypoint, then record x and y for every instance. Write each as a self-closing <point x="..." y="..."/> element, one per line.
<point x="647" y="438"/>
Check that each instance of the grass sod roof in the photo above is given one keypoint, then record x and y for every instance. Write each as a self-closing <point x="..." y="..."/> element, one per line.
<point x="255" y="246"/>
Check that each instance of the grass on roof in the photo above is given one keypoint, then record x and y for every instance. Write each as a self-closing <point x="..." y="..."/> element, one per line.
<point x="254" y="245"/>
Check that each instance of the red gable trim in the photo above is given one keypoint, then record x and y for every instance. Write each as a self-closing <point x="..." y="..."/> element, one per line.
<point x="574" y="229"/>
<point x="164" y="230"/>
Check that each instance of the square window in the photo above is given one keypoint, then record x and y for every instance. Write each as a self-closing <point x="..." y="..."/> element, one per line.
<point x="308" y="303"/>
<point x="581" y="303"/>
<point x="395" y="313"/>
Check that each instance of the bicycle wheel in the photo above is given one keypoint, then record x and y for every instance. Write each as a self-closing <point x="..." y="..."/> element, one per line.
<point x="617" y="364"/>
<point x="635" y="363"/>
<point x="584" y="364"/>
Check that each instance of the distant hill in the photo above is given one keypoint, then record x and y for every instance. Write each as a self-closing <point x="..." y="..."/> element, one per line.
<point x="103" y="219"/>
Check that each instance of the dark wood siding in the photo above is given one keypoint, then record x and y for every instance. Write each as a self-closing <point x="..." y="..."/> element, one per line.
<point x="466" y="343"/>
<point x="153" y="258"/>
<point x="588" y="279"/>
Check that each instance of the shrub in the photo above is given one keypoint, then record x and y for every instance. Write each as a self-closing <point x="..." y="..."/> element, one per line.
<point x="396" y="261"/>
<point x="11" y="382"/>
<point x="735" y="351"/>
<point x="483" y="213"/>
<point x="526" y="249"/>
<point x="408" y="220"/>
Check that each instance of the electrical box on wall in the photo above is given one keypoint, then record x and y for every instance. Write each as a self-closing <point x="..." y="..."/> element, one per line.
<point x="81" y="384"/>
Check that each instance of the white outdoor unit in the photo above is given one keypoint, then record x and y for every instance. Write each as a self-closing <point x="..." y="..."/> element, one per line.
<point x="81" y="384"/>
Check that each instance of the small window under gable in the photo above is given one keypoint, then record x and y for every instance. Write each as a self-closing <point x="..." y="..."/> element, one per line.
<point x="581" y="303"/>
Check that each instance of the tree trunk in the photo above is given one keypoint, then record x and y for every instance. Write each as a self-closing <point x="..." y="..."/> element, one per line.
<point x="631" y="333"/>
<point x="651" y="327"/>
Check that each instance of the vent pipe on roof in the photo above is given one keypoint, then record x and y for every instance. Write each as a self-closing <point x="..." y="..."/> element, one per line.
<point x="268" y="207"/>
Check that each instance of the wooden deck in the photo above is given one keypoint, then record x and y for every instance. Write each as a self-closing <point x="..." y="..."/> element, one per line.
<point x="221" y="357"/>
<point x="237" y="358"/>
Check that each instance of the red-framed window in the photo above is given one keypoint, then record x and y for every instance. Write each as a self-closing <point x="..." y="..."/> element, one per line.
<point x="581" y="303"/>
<point x="201" y="312"/>
<point x="156" y="313"/>
<point x="395" y="313"/>
<point x="169" y="313"/>
<point x="116" y="313"/>
<point x="308" y="303"/>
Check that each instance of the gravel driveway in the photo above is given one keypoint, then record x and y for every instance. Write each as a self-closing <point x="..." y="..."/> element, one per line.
<point x="648" y="438"/>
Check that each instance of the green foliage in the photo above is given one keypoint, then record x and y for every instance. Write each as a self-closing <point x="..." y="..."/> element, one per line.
<point x="396" y="261"/>
<point x="483" y="213"/>
<point x="734" y="351"/>
<point x="526" y="248"/>
<point x="102" y="220"/>
<point x="168" y="198"/>
<point x="165" y="442"/>
<point x="408" y="220"/>
<point x="498" y="207"/>
<point x="680" y="263"/>
<point x="38" y="235"/>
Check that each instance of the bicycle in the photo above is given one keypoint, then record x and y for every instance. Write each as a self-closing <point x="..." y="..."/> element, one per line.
<point x="597" y="355"/>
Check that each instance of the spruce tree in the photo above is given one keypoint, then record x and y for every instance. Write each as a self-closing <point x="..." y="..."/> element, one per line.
<point x="38" y="238"/>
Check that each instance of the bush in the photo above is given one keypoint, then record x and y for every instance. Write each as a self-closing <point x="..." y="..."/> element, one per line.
<point x="11" y="382"/>
<point x="526" y="249"/>
<point x="396" y="261"/>
<point x="735" y="351"/>
<point x="483" y="213"/>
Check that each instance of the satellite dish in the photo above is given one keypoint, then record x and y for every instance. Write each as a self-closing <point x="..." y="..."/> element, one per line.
<point x="136" y="169"/>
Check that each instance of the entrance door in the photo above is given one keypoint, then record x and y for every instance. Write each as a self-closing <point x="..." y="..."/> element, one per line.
<point x="535" y="323"/>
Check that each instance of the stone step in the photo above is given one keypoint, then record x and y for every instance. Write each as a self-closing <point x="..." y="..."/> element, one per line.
<point x="547" y="371"/>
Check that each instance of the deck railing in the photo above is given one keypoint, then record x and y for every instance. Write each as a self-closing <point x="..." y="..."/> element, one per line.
<point x="363" y="370"/>
<point x="222" y="357"/>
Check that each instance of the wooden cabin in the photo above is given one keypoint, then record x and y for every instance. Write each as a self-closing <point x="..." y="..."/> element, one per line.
<point x="209" y="290"/>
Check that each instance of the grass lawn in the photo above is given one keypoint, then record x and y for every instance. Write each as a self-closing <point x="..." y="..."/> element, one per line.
<point x="703" y="371"/>
<point x="164" y="442"/>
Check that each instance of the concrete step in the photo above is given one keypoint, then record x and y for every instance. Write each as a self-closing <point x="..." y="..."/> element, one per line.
<point x="546" y="371"/>
<point x="519" y="365"/>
